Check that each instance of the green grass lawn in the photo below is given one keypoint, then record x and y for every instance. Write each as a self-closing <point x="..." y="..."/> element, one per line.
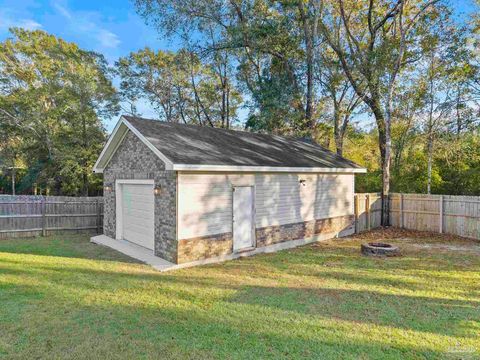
<point x="62" y="297"/>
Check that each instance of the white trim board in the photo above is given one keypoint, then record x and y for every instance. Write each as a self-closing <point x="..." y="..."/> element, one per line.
<point x="135" y="181"/>
<point x="232" y="168"/>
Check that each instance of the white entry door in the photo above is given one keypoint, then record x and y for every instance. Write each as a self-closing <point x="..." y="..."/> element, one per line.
<point x="138" y="214"/>
<point x="242" y="217"/>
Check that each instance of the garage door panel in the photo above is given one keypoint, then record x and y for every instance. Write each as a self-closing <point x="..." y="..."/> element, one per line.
<point x="138" y="188"/>
<point x="139" y="237"/>
<point x="138" y="214"/>
<point x="133" y="190"/>
<point x="136" y="200"/>
<point x="138" y="222"/>
<point x="139" y="228"/>
<point x="138" y="197"/>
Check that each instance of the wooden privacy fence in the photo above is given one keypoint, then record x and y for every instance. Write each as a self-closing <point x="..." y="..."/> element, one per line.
<point x="27" y="215"/>
<point x="457" y="215"/>
<point x="368" y="211"/>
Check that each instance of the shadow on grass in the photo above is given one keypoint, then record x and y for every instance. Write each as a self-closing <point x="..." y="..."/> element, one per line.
<point x="417" y="269"/>
<point x="268" y="306"/>
<point x="69" y="246"/>
<point x="224" y="331"/>
<point x="418" y="313"/>
<point x="435" y="315"/>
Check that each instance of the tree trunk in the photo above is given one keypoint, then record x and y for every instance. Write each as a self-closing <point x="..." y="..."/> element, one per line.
<point x="308" y="34"/>
<point x="430" y="124"/>
<point x="337" y="131"/>
<point x="339" y="144"/>
<point x="223" y="114"/>
<point x="429" y="163"/>
<point x="457" y="108"/>
<point x="325" y="142"/>
<point x="386" y="176"/>
<point x="13" y="179"/>
<point x="384" y="143"/>
<point x="199" y="101"/>
<point x="84" y="160"/>
<point x="228" y="106"/>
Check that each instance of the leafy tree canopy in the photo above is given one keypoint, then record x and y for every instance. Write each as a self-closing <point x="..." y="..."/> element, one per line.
<point x="52" y="97"/>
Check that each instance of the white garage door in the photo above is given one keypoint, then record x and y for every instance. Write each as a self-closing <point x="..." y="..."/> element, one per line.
<point x="138" y="214"/>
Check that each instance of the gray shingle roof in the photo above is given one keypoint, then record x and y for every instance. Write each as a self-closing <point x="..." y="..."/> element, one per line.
<point x="197" y="145"/>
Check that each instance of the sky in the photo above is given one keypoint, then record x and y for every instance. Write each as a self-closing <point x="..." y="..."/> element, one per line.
<point x="110" y="27"/>
<point x="106" y="26"/>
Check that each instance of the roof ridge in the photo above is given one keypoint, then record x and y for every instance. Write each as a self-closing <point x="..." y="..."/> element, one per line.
<point x="195" y="148"/>
<point x="194" y="125"/>
<point x="290" y="138"/>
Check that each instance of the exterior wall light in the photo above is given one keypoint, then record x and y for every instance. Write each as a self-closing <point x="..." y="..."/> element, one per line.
<point x="107" y="188"/>
<point x="157" y="190"/>
<point x="302" y="182"/>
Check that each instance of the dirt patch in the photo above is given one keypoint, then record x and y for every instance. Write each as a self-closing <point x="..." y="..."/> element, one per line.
<point x="473" y="248"/>
<point x="392" y="233"/>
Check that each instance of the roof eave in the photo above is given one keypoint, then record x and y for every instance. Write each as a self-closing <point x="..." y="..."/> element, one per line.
<point x="123" y="125"/>
<point x="230" y="168"/>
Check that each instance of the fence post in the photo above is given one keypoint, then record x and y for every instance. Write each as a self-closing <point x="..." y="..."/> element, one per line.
<point x="401" y="211"/>
<point x="44" y="216"/>
<point x="98" y="216"/>
<point x="367" y="209"/>
<point x="355" y="202"/>
<point x="440" y="219"/>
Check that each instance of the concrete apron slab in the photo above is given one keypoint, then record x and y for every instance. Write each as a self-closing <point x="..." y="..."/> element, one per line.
<point x="145" y="255"/>
<point x="134" y="251"/>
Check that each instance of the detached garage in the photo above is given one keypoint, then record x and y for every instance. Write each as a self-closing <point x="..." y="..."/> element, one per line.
<point x="189" y="193"/>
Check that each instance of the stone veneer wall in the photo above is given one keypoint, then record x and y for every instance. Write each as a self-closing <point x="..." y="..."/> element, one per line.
<point x="204" y="247"/>
<point x="276" y="234"/>
<point x="215" y="245"/>
<point x="134" y="160"/>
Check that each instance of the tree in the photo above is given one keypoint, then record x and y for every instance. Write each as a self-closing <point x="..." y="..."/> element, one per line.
<point x="52" y="95"/>
<point x="308" y="14"/>
<point x="156" y="77"/>
<point x="377" y="39"/>
<point x="180" y="87"/>
<point x="407" y="108"/>
<point x="444" y="74"/>
<point x="438" y="102"/>
<point x="10" y="161"/>
<point x="272" y="42"/>
<point x="337" y="88"/>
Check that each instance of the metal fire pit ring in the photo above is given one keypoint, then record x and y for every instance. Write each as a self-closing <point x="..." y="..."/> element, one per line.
<point x="379" y="249"/>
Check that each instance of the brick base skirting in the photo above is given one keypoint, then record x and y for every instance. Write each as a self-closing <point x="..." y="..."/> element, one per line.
<point x="205" y="247"/>
<point x="276" y="234"/>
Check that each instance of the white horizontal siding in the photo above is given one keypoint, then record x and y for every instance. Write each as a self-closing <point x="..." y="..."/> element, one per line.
<point x="204" y="205"/>
<point x="282" y="199"/>
<point x="205" y="200"/>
